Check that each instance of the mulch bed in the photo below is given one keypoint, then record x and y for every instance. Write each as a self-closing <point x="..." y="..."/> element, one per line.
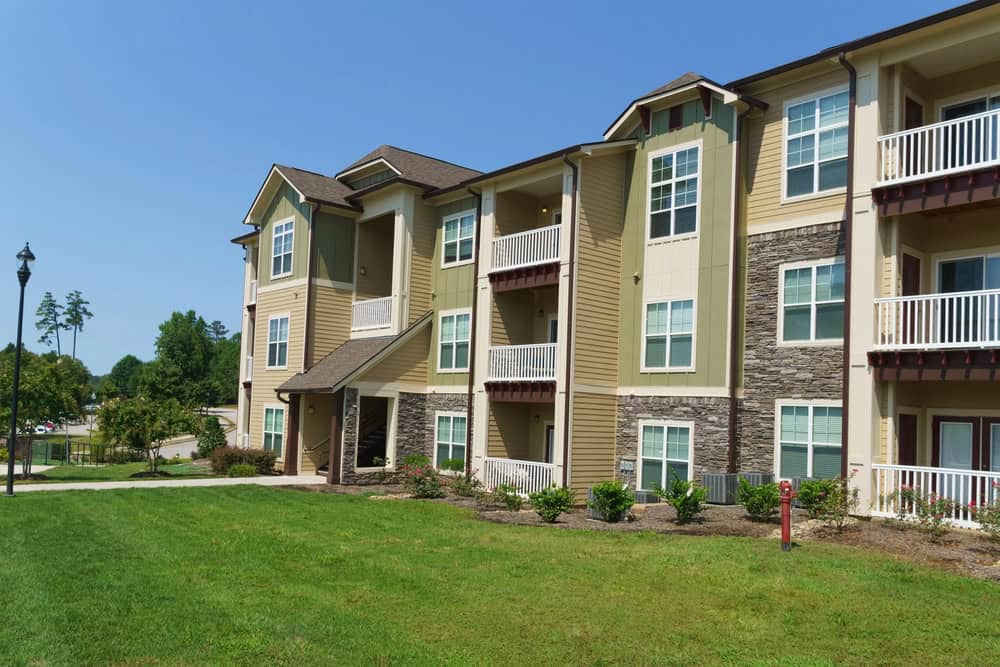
<point x="966" y="552"/>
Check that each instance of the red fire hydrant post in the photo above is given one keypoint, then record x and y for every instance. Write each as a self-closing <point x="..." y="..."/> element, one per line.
<point x="786" y="515"/>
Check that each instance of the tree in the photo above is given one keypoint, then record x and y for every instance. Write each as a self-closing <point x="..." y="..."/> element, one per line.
<point x="184" y="353"/>
<point x="76" y="314"/>
<point x="143" y="424"/>
<point x="50" y="321"/>
<point x="211" y="437"/>
<point x="124" y="376"/>
<point x="225" y="375"/>
<point x="217" y="330"/>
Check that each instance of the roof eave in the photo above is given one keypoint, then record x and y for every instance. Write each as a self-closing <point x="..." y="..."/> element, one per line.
<point x="728" y="97"/>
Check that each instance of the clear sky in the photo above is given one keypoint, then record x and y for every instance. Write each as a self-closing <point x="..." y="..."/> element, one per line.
<point x="135" y="134"/>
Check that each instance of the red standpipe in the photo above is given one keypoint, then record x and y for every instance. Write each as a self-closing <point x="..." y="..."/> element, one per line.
<point x="786" y="515"/>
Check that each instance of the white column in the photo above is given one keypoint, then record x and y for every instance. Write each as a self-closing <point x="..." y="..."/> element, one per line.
<point x="563" y="389"/>
<point x="484" y="311"/>
<point x="246" y="346"/>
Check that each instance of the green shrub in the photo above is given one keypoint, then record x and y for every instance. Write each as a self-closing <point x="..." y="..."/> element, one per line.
<point x="988" y="516"/>
<point x="814" y="494"/>
<point x="685" y="497"/>
<point x="416" y="460"/>
<point x="551" y="502"/>
<point x="3" y="455"/>
<point x="422" y="480"/>
<point x="466" y="485"/>
<point x="933" y="513"/>
<point x="760" y="502"/>
<point x="242" y="470"/>
<point x="611" y="500"/>
<point x="211" y="436"/>
<point x="453" y="465"/>
<point x="224" y="458"/>
<point x="507" y="496"/>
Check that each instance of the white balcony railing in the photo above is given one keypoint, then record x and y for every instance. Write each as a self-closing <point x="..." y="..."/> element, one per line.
<point x="522" y="363"/>
<point x="525" y="476"/>
<point x="938" y="321"/>
<point x="940" y="149"/>
<point x="252" y="295"/>
<point x="898" y="488"/>
<point x="372" y="314"/>
<point x="248" y="375"/>
<point x="535" y="246"/>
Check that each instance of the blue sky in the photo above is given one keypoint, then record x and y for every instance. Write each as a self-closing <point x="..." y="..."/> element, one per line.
<point x="136" y="134"/>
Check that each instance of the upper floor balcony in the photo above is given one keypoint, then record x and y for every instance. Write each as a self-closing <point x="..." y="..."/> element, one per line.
<point x="252" y="295"/>
<point x="372" y="314"/>
<point x="527" y="233"/>
<point x="525" y="249"/>
<point x="522" y="363"/>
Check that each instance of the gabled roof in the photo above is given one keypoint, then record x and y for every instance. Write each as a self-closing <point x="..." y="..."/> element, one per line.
<point x="414" y="167"/>
<point x="348" y="361"/>
<point x="316" y="187"/>
<point x="685" y="79"/>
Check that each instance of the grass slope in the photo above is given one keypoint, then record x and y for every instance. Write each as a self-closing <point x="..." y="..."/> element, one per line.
<point x="253" y="575"/>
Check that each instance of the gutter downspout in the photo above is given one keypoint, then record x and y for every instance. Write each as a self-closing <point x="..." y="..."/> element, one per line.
<point x="848" y="225"/>
<point x="472" y="331"/>
<point x="569" y="316"/>
<point x="732" y="462"/>
<point x="307" y="343"/>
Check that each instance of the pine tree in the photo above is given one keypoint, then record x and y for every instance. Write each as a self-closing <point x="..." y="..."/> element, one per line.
<point x="50" y="321"/>
<point x="76" y="314"/>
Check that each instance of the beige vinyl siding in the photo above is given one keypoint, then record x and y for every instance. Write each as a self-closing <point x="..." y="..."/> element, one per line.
<point x="284" y="205"/>
<point x="333" y="241"/>
<point x="598" y="270"/>
<point x="766" y="143"/>
<point x="407" y="364"/>
<point x="315" y="432"/>
<point x="592" y="448"/>
<point x="278" y="302"/>
<point x="330" y="317"/>
<point x="421" y="260"/>
<point x="508" y="434"/>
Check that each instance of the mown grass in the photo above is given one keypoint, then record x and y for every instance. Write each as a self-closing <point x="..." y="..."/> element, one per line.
<point x="119" y="472"/>
<point x="252" y="575"/>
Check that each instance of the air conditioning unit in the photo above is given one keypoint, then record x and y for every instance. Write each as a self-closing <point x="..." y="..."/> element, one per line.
<point x="646" y="497"/>
<point x="758" y="478"/>
<point x="721" y="487"/>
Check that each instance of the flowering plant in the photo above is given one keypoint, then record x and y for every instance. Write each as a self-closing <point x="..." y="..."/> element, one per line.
<point x="422" y="480"/>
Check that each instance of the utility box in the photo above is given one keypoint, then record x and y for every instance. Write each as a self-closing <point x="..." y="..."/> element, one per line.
<point x="721" y="487"/>
<point x="758" y="478"/>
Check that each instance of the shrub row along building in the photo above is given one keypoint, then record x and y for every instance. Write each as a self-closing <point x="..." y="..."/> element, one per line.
<point x="795" y="272"/>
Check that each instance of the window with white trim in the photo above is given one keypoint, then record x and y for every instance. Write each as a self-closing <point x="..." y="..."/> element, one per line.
<point x="809" y="441"/>
<point x="673" y="193"/>
<point x="669" y="334"/>
<point x="664" y="452"/>
<point x="274" y="430"/>
<point x="816" y="145"/>
<point x="277" y="342"/>
<point x="281" y="249"/>
<point x="812" y="302"/>
<point x="449" y="438"/>
<point x="459" y="233"/>
<point x="453" y="342"/>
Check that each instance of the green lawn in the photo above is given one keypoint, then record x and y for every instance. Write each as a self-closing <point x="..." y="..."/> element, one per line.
<point x="117" y="472"/>
<point x="254" y="575"/>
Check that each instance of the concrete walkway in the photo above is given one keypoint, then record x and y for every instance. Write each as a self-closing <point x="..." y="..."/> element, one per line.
<point x="277" y="480"/>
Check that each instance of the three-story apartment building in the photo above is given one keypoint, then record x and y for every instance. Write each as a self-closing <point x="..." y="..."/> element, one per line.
<point x="795" y="272"/>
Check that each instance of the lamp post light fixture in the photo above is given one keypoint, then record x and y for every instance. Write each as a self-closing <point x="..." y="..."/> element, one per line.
<point x="24" y="258"/>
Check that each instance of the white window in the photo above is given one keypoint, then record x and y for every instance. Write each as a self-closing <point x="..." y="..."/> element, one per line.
<point x="277" y="342"/>
<point x="453" y="348"/>
<point x="274" y="430"/>
<point x="673" y="193"/>
<point x="449" y="438"/>
<point x="664" y="452"/>
<point x="281" y="249"/>
<point x="812" y="302"/>
<point x="809" y="440"/>
<point x="816" y="144"/>
<point x="669" y="335"/>
<point x="459" y="232"/>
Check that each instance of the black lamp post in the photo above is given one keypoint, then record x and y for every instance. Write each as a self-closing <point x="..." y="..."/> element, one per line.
<point x="25" y="258"/>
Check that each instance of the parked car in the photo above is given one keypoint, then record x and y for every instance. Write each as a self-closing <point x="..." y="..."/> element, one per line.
<point x="41" y="429"/>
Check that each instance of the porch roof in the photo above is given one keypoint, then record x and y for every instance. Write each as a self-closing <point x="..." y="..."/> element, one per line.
<point x="348" y="361"/>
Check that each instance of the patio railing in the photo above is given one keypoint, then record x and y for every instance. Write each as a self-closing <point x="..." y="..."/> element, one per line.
<point x="526" y="476"/>
<point x="898" y="490"/>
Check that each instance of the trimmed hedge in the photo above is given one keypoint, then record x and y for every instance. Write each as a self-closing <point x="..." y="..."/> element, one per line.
<point x="223" y="458"/>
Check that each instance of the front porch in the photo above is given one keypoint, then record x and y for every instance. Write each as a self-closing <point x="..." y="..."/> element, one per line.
<point x="520" y="447"/>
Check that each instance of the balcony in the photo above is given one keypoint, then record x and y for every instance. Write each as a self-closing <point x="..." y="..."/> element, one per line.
<point x="252" y="295"/>
<point x="526" y="259"/>
<point x="522" y="363"/>
<point x="372" y="314"/>
<point x="248" y="370"/>
<point x="942" y="164"/>
<point x="525" y="476"/>
<point x="898" y="488"/>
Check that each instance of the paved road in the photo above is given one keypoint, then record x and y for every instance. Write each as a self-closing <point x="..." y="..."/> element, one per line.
<point x="278" y="480"/>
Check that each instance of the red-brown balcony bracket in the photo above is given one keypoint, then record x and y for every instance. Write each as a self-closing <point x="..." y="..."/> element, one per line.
<point x="645" y="117"/>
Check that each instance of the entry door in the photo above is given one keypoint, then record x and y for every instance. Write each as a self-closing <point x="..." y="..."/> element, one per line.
<point x="906" y="434"/>
<point x="913" y="115"/>
<point x="550" y="441"/>
<point x="957" y="443"/>
<point x="911" y="287"/>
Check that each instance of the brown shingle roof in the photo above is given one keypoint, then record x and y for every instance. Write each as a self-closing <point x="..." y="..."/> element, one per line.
<point x="338" y="366"/>
<point x="318" y="187"/>
<point x="418" y="168"/>
<point x="683" y="80"/>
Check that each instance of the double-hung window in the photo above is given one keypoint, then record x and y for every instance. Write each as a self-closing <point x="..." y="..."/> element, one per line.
<point x="277" y="342"/>
<point x="669" y="336"/>
<point x="453" y="348"/>
<point x="459" y="232"/>
<point x="673" y="193"/>
<point x="665" y="453"/>
<point x="812" y="302"/>
<point x="809" y="441"/>
<point x="281" y="249"/>
<point x="816" y="145"/>
<point x="274" y="429"/>
<point x="449" y="438"/>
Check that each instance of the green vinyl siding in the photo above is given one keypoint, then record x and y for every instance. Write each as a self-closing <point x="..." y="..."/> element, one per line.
<point x="714" y="241"/>
<point x="284" y="205"/>
<point x="334" y="245"/>
<point x="452" y="288"/>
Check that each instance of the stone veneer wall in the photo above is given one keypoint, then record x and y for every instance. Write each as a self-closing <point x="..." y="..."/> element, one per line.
<point x="415" y="420"/>
<point x="771" y="372"/>
<point x="710" y="417"/>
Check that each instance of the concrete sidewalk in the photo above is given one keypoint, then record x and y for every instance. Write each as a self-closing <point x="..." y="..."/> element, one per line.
<point x="278" y="480"/>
